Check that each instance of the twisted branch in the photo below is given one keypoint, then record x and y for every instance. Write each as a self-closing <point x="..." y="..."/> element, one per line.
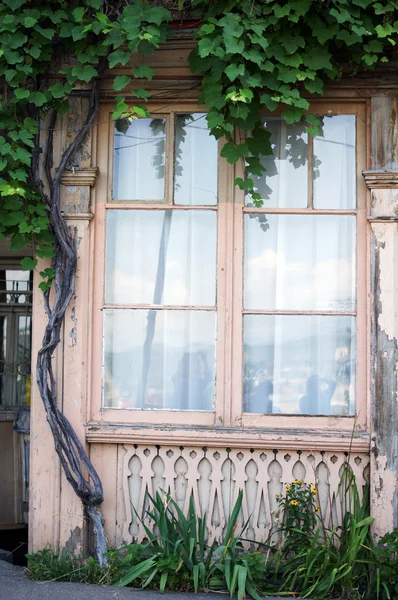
<point x="75" y="463"/>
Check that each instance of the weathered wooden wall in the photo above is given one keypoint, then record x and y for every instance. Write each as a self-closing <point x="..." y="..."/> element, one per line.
<point x="383" y="183"/>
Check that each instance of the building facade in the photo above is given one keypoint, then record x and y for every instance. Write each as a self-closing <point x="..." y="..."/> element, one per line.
<point x="212" y="346"/>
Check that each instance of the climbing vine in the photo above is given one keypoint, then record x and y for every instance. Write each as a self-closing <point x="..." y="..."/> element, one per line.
<point x="253" y="56"/>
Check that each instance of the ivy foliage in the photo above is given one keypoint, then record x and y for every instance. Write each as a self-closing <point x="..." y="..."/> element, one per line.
<point x="34" y="37"/>
<point x="269" y="56"/>
<point x="254" y="57"/>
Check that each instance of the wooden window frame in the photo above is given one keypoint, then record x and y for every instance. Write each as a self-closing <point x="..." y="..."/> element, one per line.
<point x="228" y="411"/>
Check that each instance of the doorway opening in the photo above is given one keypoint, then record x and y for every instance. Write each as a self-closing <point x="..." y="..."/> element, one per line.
<point x="15" y="393"/>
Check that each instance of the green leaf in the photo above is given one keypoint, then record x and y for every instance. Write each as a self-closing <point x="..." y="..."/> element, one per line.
<point x="59" y="90"/>
<point x="13" y="57"/>
<point x="233" y="71"/>
<point x="281" y="11"/>
<point x="21" y="93"/>
<point x="233" y="45"/>
<point x="317" y="59"/>
<point x="214" y="118"/>
<point x="28" y="264"/>
<point x="38" y="98"/>
<point x="206" y="46"/>
<point x="232" y="152"/>
<point x="45" y="251"/>
<point x="232" y="25"/>
<point x="120" y="82"/>
<point x="25" y="227"/>
<point x="49" y="272"/>
<point x="121" y="108"/>
<point x="141" y="93"/>
<point x="29" y="21"/>
<point x="206" y="29"/>
<point x="140" y="111"/>
<point x="143" y="71"/>
<point x="48" y="33"/>
<point x="158" y="15"/>
<point x="86" y="73"/>
<point x="45" y="285"/>
<point x="118" y="57"/>
<point x="78" y="14"/>
<point x="23" y="155"/>
<point x="244" y="184"/>
<point x="292" y="114"/>
<point x="14" y="4"/>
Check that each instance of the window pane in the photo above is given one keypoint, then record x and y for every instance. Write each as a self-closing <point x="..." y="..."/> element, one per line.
<point x="3" y="358"/>
<point x="15" y="286"/>
<point x="195" y="161"/>
<point x="23" y="359"/>
<point x="139" y="160"/>
<point x="161" y="257"/>
<point x="299" y="364"/>
<point x="299" y="262"/>
<point x="334" y="163"/>
<point x="159" y="359"/>
<point x="285" y="182"/>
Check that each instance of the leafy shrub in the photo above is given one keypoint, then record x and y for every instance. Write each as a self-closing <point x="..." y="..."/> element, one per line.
<point x="385" y="566"/>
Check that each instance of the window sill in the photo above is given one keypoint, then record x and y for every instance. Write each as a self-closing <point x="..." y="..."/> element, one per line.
<point x="272" y="439"/>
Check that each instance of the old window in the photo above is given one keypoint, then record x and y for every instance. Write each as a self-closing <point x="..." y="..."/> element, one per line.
<point x="228" y="313"/>
<point x="15" y="337"/>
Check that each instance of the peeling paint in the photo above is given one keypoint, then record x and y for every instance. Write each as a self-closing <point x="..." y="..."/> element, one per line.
<point x="73" y="331"/>
<point x="383" y="496"/>
<point x="74" y="544"/>
<point x="388" y="259"/>
<point x="384" y="492"/>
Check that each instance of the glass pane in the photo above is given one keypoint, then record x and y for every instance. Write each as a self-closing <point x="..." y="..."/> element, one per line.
<point x="299" y="262"/>
<point x="285" y="182"/>
<point x="139" y="160"/>
<point x="299" y="364"/>
<point x="3" y="356"/>
<point x="334" y="163"/>
<point x="195" y="162"/>
<point x="15" y="286"/>
<point x="161" y="257"/>
<point x="159" y="359"/>
<point x="23" y="359"/>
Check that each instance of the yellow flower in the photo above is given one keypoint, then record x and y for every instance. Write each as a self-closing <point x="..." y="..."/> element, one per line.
<point x="294" y="503"/>
<point x="313" y="490"/>
<point x="297" y="481"/>
<point x="311" y="484"/>
<point x="276" y="495"/>
<point x="288" y="489"/>
<point x="317" y="508"/>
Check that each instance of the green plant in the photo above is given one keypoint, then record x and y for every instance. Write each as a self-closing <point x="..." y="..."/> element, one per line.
<point x="46" y="566"/>
<point x="299" y="515"/>
<point x="383" y="566"/>
<point x="180" y="558"/>
<point x="325" y="561"/>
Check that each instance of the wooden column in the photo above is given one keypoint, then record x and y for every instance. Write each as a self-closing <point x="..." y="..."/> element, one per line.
<point x="56" y="513"/>
<point x="382" y="181"/>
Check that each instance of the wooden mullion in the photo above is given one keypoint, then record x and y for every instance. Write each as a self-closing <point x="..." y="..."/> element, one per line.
<point x="310" y="201"/>
<point x="169" y="158"/>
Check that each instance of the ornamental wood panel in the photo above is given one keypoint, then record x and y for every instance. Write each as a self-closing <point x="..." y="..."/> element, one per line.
<point x="213" y="478"/>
